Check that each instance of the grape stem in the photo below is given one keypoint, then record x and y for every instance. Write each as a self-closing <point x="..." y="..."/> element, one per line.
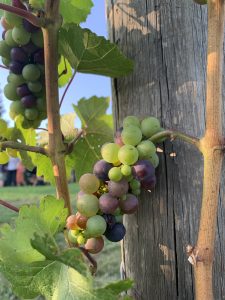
<point x="73" y="142"/>
<point x="172" y="135"/>
<point x="39" y="22"/>
<point x="93" y="262"/>
<point x="65" y="69"/>
<point x="9" y="206"/>
<point x="4" y="67"/>
<point x="66" y="89"/>
<point x="20" y="146"/>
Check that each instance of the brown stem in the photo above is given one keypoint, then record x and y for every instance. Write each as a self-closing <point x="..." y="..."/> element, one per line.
<point x="9" y="206"/>
<point x="93" y="262"/>
<point x="212" y="159"/>
<point x="73" y="142"/>
<point x="67" y="88"/>
<point x="56" y="145"/>
<point x="39" y="22"/>
<point x="19" y="146"/>
<point x="176" y="134"/>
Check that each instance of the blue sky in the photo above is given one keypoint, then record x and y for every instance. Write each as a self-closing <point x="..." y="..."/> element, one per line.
<point x="84" y="85"/>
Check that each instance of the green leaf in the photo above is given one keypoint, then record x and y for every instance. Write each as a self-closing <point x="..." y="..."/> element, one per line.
<point x="4" y="2"/>
<point x="44" y="167"/>
<point x="98" y="128"/>
<point x="89" y="53"/>
<point x="120" y="286"/>
<point x="64" y="71"/>
<point x="68" y="126"/>
<point x="75" y="11"/>
<point x="15" y="244"/>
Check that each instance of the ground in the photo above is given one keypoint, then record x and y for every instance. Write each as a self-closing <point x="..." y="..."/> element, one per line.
<point x="108" y="260"/>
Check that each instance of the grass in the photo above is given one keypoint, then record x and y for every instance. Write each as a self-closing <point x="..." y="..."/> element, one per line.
<point x="108" y="260"/>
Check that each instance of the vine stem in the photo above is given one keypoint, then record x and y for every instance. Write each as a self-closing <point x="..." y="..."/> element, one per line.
<point x="9" y="206"/>
<point x="66" y="89"/>
<point x="176" y="134"/>
<point x="212" y="159"/>
<point x="56" y="145"/>
<point x="39" y="22"/>
<point x="20" y="146"/>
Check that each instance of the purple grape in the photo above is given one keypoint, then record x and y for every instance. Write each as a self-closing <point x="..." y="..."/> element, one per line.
<point x="29" y="101"/>
<point x="101" y="169"/>
<point x="3" y="34"/>
<point x="108" y="204"/>
<point x="16" y="67"/>
<point x="18" y="54"/>
<point x="143" y="169"/>
<point x="19" y="4"/>
<point x="110" y="220"/>
<point x="148" y="183"/>
<point x="130" y="205"/>
<point x="30" y="48"/>
<point x="116" y="233"/>
<point x="38" y="57"/>
<point x="118" y="189"/>
<point x="23" y="90"/>
<point x="29" y="27"/>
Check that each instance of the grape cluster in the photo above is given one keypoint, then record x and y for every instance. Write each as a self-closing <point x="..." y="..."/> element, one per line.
<point x="127" y="165"/>
<point x="22" y="52"/>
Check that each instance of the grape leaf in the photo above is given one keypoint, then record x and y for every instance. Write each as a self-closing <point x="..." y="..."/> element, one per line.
<point x="4" y="2"/>
<point x="62" y="275"/>
<point x="89" y="53"/>
<point x="44" y="167"/>
<point x="68" y="126"/>
<point x="15" y="244"/>
<point x="75" y="11"/>
<point x="98" y="130"/>
<point x="64" y="71"/>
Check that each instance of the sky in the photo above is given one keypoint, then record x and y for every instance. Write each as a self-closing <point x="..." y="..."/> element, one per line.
<point x="84" y="85"/>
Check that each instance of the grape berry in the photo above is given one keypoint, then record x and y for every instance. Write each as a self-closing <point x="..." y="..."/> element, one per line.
<point x="22" y="52"/>
<point x="127" y="166"/>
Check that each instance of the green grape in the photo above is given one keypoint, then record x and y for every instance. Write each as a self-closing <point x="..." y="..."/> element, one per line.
<point x="146" y="149"/>
<point x="42" y="115"/>
<point x="72" y="237"/>
<point x="35" y="87"/>
<point x="10" y="91"/>
<point x="154" y="160"/>
<point x="9" y="39"/>
<point x="12" y="152"/>
<point x="41" y="68"/>
<point x="150" y="126"/>
<point x="96" y="226"/>
<point x="16" y="108"/>
<point x="31" y="114"/>
<point x="87" y="205"/>
<point x="131" y="120"/>
<point x="37" y="38"/>
<point x="131" y="135"/>
<point x="119" y="219"/>
<point x="3" y="126"/>
<point x="81" y="239"/>
<point x="115" y="174"/>
<point x="31" y="72"/>
<point x="128" y="154"/>
<point x="89" y="183"/>
<point x="135" y="184"/>
<point x="4" y="50"/>
<point x="20" y="35"/>
<point x="41" y="104"/>
<point x="129" y="178"/>
<point x="16" y="79"/>
<point x="12" y="19"/>
<point x="123" y="198"/>
<point x="6" y="61"/>
<point x="35" y="4"/>
<point x="136" y="192"/>
<point x="110" y="152"/>
<point x="4" y="158"/>
<point x="126" y="170"/>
